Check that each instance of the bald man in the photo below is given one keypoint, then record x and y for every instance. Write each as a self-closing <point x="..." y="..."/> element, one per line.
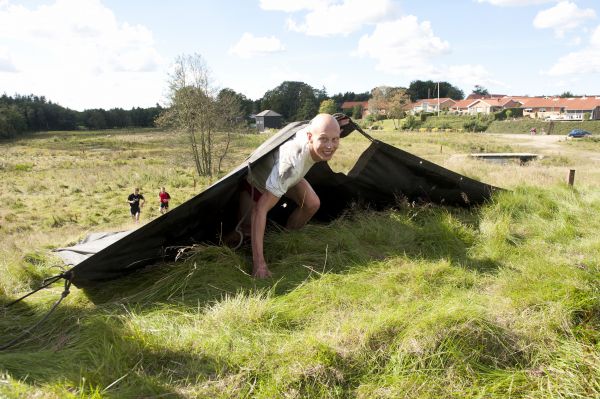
<point x="282" y="174"/>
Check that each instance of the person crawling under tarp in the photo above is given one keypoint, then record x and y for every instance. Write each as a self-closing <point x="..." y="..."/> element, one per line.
<point x="282" y="174"/>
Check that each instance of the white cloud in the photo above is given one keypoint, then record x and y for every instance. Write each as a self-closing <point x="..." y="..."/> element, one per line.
<point x="586" y="61"/>
<point x="469" y="75"/>
<point x="292" y="5"/>
<point x="341" y="18"/>
<point x="404" y="46"/>
<point x="6" y="63"/>
<point x="249" y="46"/>
<point x="504" y="3"/>
<point x="563" y="17"/>
<point x="67" y="47"/>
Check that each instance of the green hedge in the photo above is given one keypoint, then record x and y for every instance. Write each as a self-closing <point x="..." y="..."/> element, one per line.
<point x="487" y="123"/>
<point x="523" y="125"/>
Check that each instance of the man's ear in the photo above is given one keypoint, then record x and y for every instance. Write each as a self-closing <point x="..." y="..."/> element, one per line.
<point x="309" y="135"/>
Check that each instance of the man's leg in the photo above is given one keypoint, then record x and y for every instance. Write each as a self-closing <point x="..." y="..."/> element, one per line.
<point x="308" y="204"/>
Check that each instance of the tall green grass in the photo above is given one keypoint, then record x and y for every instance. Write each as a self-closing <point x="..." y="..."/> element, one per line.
<point x="501" y="301"/>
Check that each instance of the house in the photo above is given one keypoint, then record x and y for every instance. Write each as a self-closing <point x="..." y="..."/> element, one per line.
<point x="461" y="106"/>
<point x="268" y="119"/>
<point x="543" y="107"/>
<point x="348" y="107"/>
<point x="576" y="108"/>
<point x="557" y="108"/>
<point x="474" y="96"/>
<point x="431" y="105"/>
<point x="490" y="105"/>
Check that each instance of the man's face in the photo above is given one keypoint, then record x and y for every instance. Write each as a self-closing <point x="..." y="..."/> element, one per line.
<point x="324" y="144"/>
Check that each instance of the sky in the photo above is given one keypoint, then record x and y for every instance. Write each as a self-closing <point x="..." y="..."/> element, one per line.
<point x="86" y="54"/>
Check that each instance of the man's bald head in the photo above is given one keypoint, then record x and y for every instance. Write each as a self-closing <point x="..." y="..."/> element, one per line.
<point x="324" y="123"/>
<point x="323" y="137"/>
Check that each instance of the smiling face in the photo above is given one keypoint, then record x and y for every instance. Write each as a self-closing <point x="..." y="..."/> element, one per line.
<point x="323" y="137"/>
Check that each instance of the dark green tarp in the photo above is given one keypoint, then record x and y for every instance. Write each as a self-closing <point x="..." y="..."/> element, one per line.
<point x="382" y="175"/>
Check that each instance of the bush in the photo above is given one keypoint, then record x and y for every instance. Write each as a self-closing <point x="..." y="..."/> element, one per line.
<point x="425" y="115"/>
<point x="410" y="122"/>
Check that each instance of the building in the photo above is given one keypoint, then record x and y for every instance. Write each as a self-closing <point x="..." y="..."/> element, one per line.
<point x="268" y="119"/>
<point x="490" y="105"/>
<point x="348" y="107"/>
<point x="431" y="105"/>
<point x="558" y="108"/>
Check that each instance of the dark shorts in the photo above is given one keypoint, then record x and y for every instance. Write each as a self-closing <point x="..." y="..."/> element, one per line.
<point x="252" y="191"/>
<point x="164" y="205"/>
<point x="135" y="210"/>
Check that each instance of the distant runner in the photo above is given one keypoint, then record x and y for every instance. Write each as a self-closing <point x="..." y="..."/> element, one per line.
<point x="164" y="200"/>
<point x="135" y="204"/>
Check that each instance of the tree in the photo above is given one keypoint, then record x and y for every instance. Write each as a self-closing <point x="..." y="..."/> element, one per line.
<point x="357" y="112"/>
<point x="397" y="101"/>
<point x="197" y="109"/>
<point x="247" y="105"/>
<point x="389" y="102"/>
<point x="419" y="89"/>
<point x="328" y="107"/>
<point x="293" y="100"/>
<point x="480" y="91"/>
<point x="566" y="94"/>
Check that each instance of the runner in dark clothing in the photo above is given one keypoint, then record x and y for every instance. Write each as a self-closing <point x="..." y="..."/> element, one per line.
<point x="136" y="202"/>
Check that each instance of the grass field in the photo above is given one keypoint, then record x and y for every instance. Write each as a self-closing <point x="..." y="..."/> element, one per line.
<point x="501" y="301"/>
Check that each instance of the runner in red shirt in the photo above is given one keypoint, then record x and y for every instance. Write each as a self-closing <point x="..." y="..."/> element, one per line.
<point x="164" y="200"/>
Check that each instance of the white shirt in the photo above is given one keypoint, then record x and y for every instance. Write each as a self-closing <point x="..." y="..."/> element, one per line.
<point x="291" y="163"/>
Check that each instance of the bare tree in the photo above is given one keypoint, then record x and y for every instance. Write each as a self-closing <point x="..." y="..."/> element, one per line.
<point x="197" y="109"/>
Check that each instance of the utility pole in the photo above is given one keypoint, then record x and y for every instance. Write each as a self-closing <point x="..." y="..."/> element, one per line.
<point x="438" y="98"/>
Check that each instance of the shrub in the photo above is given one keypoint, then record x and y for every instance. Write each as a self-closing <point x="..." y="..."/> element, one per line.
<point x="410" y="122"/>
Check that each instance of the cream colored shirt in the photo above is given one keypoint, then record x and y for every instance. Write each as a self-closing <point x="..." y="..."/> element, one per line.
<point x="284" y="168"/>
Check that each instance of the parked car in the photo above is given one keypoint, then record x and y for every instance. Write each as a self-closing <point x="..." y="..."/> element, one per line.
<point x="577" y="133"/>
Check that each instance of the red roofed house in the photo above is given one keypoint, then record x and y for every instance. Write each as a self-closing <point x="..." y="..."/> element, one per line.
<point x="431" y="105"/>
<point x="348" y="107"/>
<point x="489" y="105"/>
<point x="462" y="106"/>
<point x="557" y="108"/>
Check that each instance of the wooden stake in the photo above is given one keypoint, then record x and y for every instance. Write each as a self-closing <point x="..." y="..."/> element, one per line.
<point x="571" y="177"/>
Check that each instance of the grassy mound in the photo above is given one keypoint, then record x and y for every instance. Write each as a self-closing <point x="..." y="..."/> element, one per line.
<point x="415" y="302"/>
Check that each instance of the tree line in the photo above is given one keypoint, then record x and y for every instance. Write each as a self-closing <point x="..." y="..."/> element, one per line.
<point x="292" y="99"/>
<point x="30" y="113"/>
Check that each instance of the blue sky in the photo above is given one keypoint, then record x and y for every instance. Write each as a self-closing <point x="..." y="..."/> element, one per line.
<point x="110" y="53"/>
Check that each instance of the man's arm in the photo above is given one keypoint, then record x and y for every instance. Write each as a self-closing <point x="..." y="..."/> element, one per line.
<point x="259" y="222"/>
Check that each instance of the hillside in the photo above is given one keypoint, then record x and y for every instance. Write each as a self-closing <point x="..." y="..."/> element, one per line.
<point x="418" y="301"/>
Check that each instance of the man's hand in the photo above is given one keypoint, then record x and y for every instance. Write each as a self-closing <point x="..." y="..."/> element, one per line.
<point x="347" y="125"/>
<point x="261" y="270"/>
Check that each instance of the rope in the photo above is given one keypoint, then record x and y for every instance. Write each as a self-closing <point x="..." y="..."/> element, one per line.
<point x="62" y="296"/>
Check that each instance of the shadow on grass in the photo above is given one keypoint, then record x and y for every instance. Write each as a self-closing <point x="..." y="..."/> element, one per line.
<point x="211" y="273"/>
<point x="93" y="342"/>
<point x="96" y="351"/>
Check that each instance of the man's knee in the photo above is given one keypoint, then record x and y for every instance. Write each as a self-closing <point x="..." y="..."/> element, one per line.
<point x="312" y="204"/>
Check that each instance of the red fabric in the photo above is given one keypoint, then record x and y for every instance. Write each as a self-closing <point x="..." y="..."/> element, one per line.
<point x="253" y="192"/>
<point x="164" y="197"/>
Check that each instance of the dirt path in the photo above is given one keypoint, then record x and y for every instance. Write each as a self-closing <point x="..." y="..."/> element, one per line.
<point x="545" y="142"/>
